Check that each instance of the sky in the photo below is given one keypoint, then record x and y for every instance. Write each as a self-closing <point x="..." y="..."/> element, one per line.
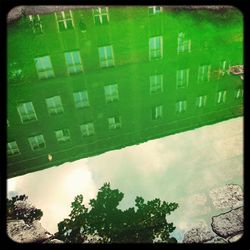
<point x="180" y="168"/>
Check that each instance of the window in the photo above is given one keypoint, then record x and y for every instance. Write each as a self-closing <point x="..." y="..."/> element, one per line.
<point x="44" y="67"/>
<point x="152" y="10"/>
<point x="204" y="73"/>
<point x="36" y="24"/>
<point x="182" y="77"/>
<point x="26" y="112"/>
<point x="155" y="47"/>
<point x="54" y="105"/>
<point x="114" y="122"/>
<point x="101" y="15"/>
<point x="37" y="142"/>
<point x="111" y="93"/>
<point x="224" y="67"/>
<point x="221" y="96"/>
<point x="12" y="148"/>
<point x="73" y="62"/>
<point x="183" y="44"/>
<point x="157" y="112"/>
<point x="201" y="101"/>
<point x="64" y="20"/>
<point x="156" y="83"/>
<point x="106" y="56"/>
<point x="239" y="93"/>
<point x="81" y="99"/>
<point x="62" y="135"/>
<point x="87" y="129"/>
<point x="181" y="106"/>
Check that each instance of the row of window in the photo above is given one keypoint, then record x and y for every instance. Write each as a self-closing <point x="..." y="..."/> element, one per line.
<point x="54" y="104"/>
<point x="65" y="20"/>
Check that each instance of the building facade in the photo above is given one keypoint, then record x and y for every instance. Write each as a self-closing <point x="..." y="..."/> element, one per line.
<point x="85" y="81"/>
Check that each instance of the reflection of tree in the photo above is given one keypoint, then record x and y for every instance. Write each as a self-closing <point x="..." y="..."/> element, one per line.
<point x="107" y="223"/>
<point x="15" y="73"/>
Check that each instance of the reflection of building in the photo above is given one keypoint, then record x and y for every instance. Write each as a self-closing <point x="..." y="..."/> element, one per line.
<point x="83" y="82"/>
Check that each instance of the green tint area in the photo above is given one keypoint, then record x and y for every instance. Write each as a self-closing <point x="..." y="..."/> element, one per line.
<point x="117" y="76"/>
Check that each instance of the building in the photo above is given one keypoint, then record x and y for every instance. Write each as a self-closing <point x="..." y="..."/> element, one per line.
<point x="85" y="81"/>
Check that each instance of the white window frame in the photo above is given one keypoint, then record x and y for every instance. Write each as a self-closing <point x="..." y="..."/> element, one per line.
<point x="61" y="136"/>
<point x="156" y="83"/>
<point x="113" y="123"/>
<point x="64" y="20"/>
<point x="201" y="101"/>
<point x="183" y="44"/>
<point x="155" y="10"/>
<point x="37" y="139"/>
<point x="84" y="99"/>
<point x="101" y="14"/>
<point x="204" y="73"/>
<point x="46" y="72"/>
<point x="33" y="19"/>
<point x="157" y="112"/>
<point x="155" y="53"/>
<point x="31" y="115"/>
<point x="239" y="93"/>
<point x="181" y="106"/>
<point x="182" y="78"/>
<point x="12" y="148"/>
<point x="87" y="129"/>
<point x="74" y="67"/>
<point x="111" y="93"/>
<point x="56" y="107"/>
<point x="221" y="96"/>
<point x="106" y="62"/>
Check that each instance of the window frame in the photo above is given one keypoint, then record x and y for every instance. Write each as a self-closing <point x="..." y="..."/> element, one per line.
<point x="64" y="20"/>
<point x="36" y="139"/>
<point x="114" y="122"/>
<point x="182" y="75"/>
<point x="58" y="108"/>
<point x="156" y="83"/>
<point x="154" y="50"/>
<point x="113" y="94"/>
<point x="89" y="128"/>
<point x="100" y="15"/>
<point x="77" y="67"/>
<point x="32" y="114"/>
<point x="107" y="61"/>
<point x="83" y="103"/>
<point x="62" y="135"/>
<point x="13" y="149"/>
<point x="46" y="72"/>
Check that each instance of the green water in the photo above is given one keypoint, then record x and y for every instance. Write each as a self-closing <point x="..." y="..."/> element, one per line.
<point x="123" y="77"/>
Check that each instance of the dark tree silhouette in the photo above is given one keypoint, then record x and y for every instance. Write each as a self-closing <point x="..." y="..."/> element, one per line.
<point x="104" y="222"/>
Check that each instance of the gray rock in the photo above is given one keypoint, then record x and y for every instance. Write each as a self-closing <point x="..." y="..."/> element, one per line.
<point x="53" y="241"/>
<point x="20" y="232"/>
<point x="15" y="13"/>
<point x="235" y="238"/>
<point x="199" y="234"/>
<point x="228" y="224"/>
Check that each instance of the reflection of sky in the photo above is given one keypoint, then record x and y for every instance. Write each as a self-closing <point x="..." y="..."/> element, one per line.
<point x="181" y="168"/>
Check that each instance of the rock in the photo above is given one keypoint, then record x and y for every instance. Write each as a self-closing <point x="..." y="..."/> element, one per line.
<point x="229" y="196"/>
<point x="235" y="238"/>
<point x="198" y="234"/>
<point x="228" y="224"/>
<point x="218" y="240"/>
<point x="53" y="241"/>
<point x="15" y="13"/>
<point x="20" y="232"/>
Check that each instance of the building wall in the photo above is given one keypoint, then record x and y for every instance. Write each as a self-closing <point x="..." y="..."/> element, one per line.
<point x="128" y="30"/>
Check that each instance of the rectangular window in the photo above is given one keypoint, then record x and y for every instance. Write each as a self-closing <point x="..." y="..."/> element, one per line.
<point x="183" y="44"/>
<point x="152" y="10"/>
<point x="87" y="129"/>
<point x="155" y="47"/>
<point x="221" y="96"/>
<point x="111" y="93"/>
<point x="156" y="83"/>
<point x="44" y="67"/>
<point x="106" y="56"/>
<point x="62" y="135"/>
<point x="36" y="24"/>
<point x="239" y="93"/>
<point x="54" y="105"/>
<point x="114" y="122"/>
<point x="26" y="112"/>
<point x="224" y="67"/>
<point x="37" y="142"/>
<point x="101" y="15"/>
<point x="64" y="20"/>
<point x="204" y="73"/>
<point x="182" y="78"/>
<point x="181" y="106"/>
<point x="157" y="112"/>
<point x="201" y="101"/>
<point x="81" y="99"/>
<point x="73" y="62"/>
<point x="12" y="148"/>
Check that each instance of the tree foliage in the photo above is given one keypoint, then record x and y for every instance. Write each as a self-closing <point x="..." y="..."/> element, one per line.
<point x="19" y="209"/>
<point x="105" y="222"/>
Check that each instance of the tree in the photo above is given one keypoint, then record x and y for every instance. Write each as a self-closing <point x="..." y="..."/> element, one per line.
<point x="19" y="209"/>
<point x="104" y="222"/>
